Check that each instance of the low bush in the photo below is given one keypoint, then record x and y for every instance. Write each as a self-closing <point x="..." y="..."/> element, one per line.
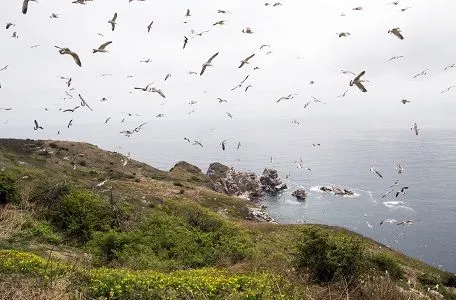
<point x="328" y="258"/>
<point x="388" y="264"/>
<point x="42" y="232"/>
<point x="8" y="188"/>
<point x="429" y="279"/>
<point x="80" y="213"/>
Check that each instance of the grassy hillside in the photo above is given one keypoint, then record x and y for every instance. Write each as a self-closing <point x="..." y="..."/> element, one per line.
<point x="150" y="234"/>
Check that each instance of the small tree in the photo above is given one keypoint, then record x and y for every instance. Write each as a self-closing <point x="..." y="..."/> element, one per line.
<point x="8" y="188"/>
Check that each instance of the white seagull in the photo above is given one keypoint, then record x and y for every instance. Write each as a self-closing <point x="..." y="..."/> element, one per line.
<point x="102" y="48"/>
<point x="208" y="63"/>
<point x="113" y="22"/>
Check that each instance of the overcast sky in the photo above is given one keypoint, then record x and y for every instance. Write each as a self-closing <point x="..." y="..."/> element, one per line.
<point x="304" y="45"/>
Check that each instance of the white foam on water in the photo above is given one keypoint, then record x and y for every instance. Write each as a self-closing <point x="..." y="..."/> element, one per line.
<point x="395" y="205"/>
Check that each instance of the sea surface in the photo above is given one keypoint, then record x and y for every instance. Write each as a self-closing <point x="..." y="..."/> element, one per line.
<point x="344" y="157"/>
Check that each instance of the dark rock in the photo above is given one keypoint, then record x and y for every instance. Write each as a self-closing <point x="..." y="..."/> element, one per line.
<point x="325" y="189"/>
<point x="300" y="194"/>
<point x="231" y="182"/>
<point x="260" y="215"/>
<point x="337" y="191"/>
<point x="271" y="183"/>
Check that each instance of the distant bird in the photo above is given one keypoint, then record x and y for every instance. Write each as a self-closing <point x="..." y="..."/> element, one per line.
<point x="400" y="169"/>
<point x="405" y="8"/>
<point x="71" y="109"/>
<point x="317" y="100"/>
<point x="4" y="68"/>
<point x="311" y="82"/>
<point x="397" y="32"/>
<point x="247" y="30"/>
<point x="208" y="63"/>
<point x="256" y="68"/>
<point x="386" y="194"/>
<point x="343" y="34"/>
<point x="84" y="103"/>
<point x="394" y="3"/>
<point x="73" y="54"/>
<point x="144" y="89"/>
<point x="448" y="89"/>
<point x="358" y="8"/>
<point x="265" y="45"/>
<point x="449" y="67"/>
<point x="34" y="46"/>
<point x="240" y="84"/>
<point x="422" y="73"/>
<point x="149" y="26"/>
<point x="187" y="14"/>
<point x="223" y="145"/>
<point x="290" y="96"/>
<point x="146" y="61"/>
<point x="239" y="145"/>
<point x="6" y="109"/>
<point x="103" y="99"/>
<point x="229" y="115"/>
<point x="107" y="120"/>
<point x="221" y="100"/>
<point x="357" y="81"/>
<point x="403" y="191"/>
<point x="192" y="73"/>
<point x="187" y="139"/>
<point x="369" y="225"/>
<point x="221" y="22"/>
<point x="376" y="171"/>
<point x="70" y="123"/>
<point x="415" y="128"/>
<point x="200" y="34"/>
<point x="221" y="11"/>
<point x="405" y="101"/>
<point x="102" y="48"/>
<point x="158" y="91"/>
<point x="113" y="21"/>
<point x="25" y="5"/>
<point x="197" y="143"/>
<point x="37" y="126"/>
<point x="160" y="116"/>
<point x="342" y="95"/>
<point x="247" y="87"/>
<point x="394" y="58"/>
<point x="8" y="25"/>
<point x="167" y="76"/>
<point x="54" y="16"/>
<point x="246" y="60"/>
<point x="193" y="102"/>
<point x="307" y="104"/>
<point x="185" y="41"/>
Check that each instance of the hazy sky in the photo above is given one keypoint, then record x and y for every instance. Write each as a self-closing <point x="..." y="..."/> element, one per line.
<point x="304" y="46"/>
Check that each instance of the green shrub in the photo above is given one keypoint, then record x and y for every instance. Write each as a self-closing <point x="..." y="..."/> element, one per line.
<point x="80" y="213"/>
<point x="387" y="264"/>
<point x="329" y="258"/>
<point x="42" y="232"/>
<point x="429" y="279"/>
<point x="8" y="188"/>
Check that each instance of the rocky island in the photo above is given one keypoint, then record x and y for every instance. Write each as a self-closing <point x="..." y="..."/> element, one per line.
<point x="77" y="222"/>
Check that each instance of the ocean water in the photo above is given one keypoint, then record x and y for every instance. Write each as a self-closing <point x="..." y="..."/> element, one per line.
<point x="343" y="159"/>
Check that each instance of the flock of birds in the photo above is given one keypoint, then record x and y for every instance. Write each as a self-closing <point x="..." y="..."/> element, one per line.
<point x="358" y="81"/>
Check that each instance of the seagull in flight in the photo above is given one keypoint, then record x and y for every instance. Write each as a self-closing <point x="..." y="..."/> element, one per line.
<point x="376" y="171"/>
<point x="447" y="89"/>
<point x="221" y="100"/>
<point x="144" y="89"/>
<point x="185" y="41"/>
<point x="73" y="54"/>
<point x="247" y="30"/>
<point x="347" y="72"/>
<point x="71" y="109"/>
<point x="405" y="101"/>
<point x="84" y="103"/>
<point x="223" y="145"/>
<point x="246" y="60"/>
<point x="102" y="48"/>
<point x="449" y="67"/>
<point x="394" y="58"/>
<point x="37" y="126"/>
<point x="403" y="191"/>
<point x="397" y="32"/>
<point x="4" y="68"/>
<point x="415" y="128"/>
<point x="240" y="84"/>
<point x="8" y="25"/>
<point x="149" y="26"/>
<point x="342" y="95"/>
<point x="357" y="81"/>
<point x="422" y="73"/>
<point x="113" y="21"/>
<point x="208" y="63"/>
<point x="229" y="115"/>
<point x="197" y="143"/>
<point x="400" y="169"/>
<point x="70" y="124"/>
<point x="25" y="5"/>
<point x="187" y="14"/>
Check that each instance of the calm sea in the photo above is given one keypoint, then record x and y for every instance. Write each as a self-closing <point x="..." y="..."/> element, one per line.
<point x="343" y="159"/>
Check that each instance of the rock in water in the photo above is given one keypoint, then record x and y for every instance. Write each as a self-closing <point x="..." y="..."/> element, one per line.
<point x="229" y="181"/>
<point x="300" y="194"/>
<point x="271" y="183"/>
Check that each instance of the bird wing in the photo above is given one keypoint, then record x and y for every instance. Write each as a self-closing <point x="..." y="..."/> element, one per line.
<point x="213" y="56"/>
<point x="378" y="173"/>
<point x="242" y="64"/>
<point x="103" y="46"/>
<point x="25" y="6"/>
<point x="249" y="57"/>
<point x="359" y="76"/>
<point x="36" y="123"/>
<point x="76" y="58"/>
<point x="398" y="34"/>
<point x="114" y="18"/>
<point x="203" y="69"/>
<point x="360" y="86"/>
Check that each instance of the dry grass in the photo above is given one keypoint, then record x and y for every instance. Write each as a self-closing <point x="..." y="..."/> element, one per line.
<point x="23" y="288"/>
<point x="11" y="221"/>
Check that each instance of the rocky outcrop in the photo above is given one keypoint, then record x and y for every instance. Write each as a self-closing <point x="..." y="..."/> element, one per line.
<point x="301" y="194"/>
<point x="229" y="181"/>
<point x="337" y="191"/>
<point x="271" y="183"/>
<point x="184" y="166"/>
<point x="259" y="214"/>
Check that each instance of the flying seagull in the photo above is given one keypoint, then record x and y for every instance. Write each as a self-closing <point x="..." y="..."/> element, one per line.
<point x="221" y="11"/>
<point x="397" y="32"/>
<point x="403" y="191"/>
<point x="405" y="101"/>
<point x="357" y="81"/>
<point x="400" y="169"/>
<point x="113" y="21"/>
<point x="71" y="109"/>
<point x="54" y="16"/>
<point x="343" y="34"/>
<point x="84" y="103"/>
<point x="25" y="5"/>
<point x="187" y="14"/>
<point x="221" y="22"/>
<point x="8" y="25"/>
<point x="347" y="72"/>
<point x="70" y="123"/>
<point x="342" y="95"/>
<point x="247" y="30"/>
<point x="144" y="89"/>
<point x="447" y="89"/>
<point x="73" y="54"/>
<point x="415" y="128"/>
<point x="446" y="68"/>
<point x="185" y="41"/>
<point x="422" y="73"/>
<point x="167" y="76"/>
<point x="4" y="68"/>
<point x="102" y="48"/>
<point x="37" y="126"/>
<point x="229" y="115"/>
<point x="197" y="143"/>
<point x="246" y="60"/>
<point x="223" y="145"/>
<point x="208" y="63"/>
<point x="247" y="87"/>
<point x="240" y="84"/>
<point x="376" y="171"/>
<point x="221" y="100"/>
<point x="149" y="26"/>
<point x="394" y="57"/>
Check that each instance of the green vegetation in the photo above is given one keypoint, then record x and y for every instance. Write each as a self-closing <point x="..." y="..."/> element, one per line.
<point x="148" y="234"/>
